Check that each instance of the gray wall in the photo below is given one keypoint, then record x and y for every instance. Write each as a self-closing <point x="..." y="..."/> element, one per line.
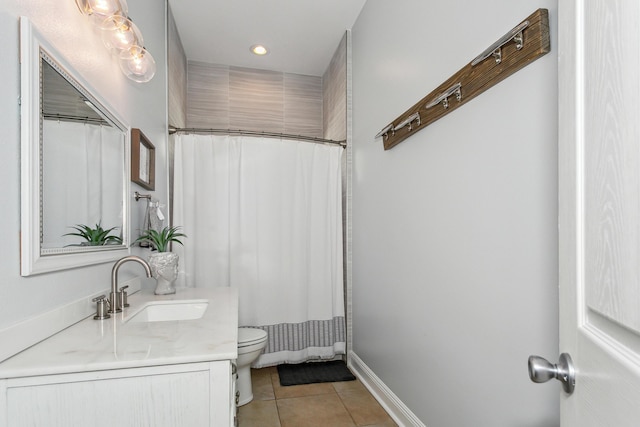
<point x="455" y="230"/>
<point x="141" y="105"/>
<point x="177" y="75"/>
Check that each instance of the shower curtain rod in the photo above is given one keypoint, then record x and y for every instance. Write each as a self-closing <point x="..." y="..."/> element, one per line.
<point x="66" y="118"/>
<point x="173" y="130"/>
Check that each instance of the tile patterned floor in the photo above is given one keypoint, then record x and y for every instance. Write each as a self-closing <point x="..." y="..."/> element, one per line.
<point x="341" y="404"/>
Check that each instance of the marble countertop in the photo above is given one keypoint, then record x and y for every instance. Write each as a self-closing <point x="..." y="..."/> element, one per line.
<point x="115" y="343"/>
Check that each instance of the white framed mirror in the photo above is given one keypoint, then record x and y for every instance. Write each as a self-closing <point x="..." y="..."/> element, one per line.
<point x="74" y="163"/>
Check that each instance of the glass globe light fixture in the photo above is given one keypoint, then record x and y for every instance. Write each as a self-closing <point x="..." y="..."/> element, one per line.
<point x="99" y="10"/>
<point x="119" y="33"/>
<point x="137" y="64"/>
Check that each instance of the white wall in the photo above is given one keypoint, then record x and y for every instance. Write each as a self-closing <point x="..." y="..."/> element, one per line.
<point x="455" y="229"/>
<point x="142" y="106"/>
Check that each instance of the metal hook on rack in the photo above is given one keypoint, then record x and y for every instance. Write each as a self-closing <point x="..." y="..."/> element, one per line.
<point x="408" y="121"/>
<point x="495" y="49"/>
<point x="385" y="132"/>
<point x="444" y="96"/>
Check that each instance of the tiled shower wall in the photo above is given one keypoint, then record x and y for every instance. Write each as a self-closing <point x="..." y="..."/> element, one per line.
<point x="334" y="91"/>
<point x="203" y="95"/>
<point x="228" y="97"/>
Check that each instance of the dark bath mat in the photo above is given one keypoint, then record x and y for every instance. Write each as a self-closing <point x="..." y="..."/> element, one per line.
<point x="314" y="372"/>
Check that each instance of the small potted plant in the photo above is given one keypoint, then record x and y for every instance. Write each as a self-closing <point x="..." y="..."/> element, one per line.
<point x="164" y="264"/>
<point x="97" y="236"/>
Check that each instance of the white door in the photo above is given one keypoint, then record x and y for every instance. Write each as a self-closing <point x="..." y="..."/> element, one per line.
<point x="599" y="165"/>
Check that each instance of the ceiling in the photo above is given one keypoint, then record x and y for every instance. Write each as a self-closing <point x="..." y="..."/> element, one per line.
<point x="302" y="35"/>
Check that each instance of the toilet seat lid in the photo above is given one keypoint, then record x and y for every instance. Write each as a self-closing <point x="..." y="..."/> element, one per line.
<point x="250" y="336"/>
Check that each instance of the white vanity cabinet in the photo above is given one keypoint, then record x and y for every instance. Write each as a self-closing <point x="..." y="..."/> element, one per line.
<point x="117" y="372"/>
<point x="190" y="395"/>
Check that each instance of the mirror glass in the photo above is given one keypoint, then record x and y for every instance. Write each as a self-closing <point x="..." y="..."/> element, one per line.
<point x="74" y="158"/>
<point x="83" y="157"/>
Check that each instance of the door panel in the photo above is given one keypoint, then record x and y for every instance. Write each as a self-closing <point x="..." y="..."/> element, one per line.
<point x="599" y="163"/>
<point x="612" y="160"/>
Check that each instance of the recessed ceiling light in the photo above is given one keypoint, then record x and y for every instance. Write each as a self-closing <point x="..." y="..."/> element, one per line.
<point x="259" y="49"/>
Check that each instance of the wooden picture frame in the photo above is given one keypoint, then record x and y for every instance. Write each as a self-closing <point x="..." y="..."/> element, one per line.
<point x="143" y="160"/>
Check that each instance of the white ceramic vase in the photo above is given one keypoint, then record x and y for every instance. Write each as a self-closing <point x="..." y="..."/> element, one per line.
<point x="164" y="268"/>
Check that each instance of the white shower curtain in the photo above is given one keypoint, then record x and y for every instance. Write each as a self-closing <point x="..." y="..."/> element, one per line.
<point x="82" y="184"/>
<point x="265" y="216"/>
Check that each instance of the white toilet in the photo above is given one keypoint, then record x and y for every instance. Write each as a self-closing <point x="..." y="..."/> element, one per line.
<point x="251" y="341"/>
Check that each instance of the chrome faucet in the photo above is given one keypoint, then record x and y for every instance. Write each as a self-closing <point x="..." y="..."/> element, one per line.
<point x="114" y="301"/>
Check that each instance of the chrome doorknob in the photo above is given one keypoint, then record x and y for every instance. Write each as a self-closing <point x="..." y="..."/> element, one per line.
<point x="541" y="371"/>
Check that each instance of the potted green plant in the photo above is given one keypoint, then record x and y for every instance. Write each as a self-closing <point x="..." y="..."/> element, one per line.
<point x="97" y="236"/>
<point x="164" y="264"/>
<point x="160" y="240"/>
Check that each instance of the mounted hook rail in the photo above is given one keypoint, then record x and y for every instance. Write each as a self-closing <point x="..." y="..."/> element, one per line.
<point x="530" y="41"/>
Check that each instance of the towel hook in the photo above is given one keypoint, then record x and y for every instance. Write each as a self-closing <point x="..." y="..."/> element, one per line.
<point x="495" y="49"/>
<point x="408" y="121"/>
<point x="456" y="90"/>
<point x="385" y="132"/>
<point x="139" y="196"/>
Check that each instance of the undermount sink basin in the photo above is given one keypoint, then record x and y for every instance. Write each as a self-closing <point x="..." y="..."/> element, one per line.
<point x="163" y="311"/>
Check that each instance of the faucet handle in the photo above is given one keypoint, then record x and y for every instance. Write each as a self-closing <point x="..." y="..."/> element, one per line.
<point x="102" y="304"/>
<point x="123" y="296"/>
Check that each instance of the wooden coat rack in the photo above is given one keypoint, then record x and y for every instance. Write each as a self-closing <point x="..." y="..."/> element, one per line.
<point x="525" y="43"/>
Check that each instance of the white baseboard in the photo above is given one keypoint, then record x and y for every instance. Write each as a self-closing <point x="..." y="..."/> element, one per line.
<point x="387" y="399"/>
